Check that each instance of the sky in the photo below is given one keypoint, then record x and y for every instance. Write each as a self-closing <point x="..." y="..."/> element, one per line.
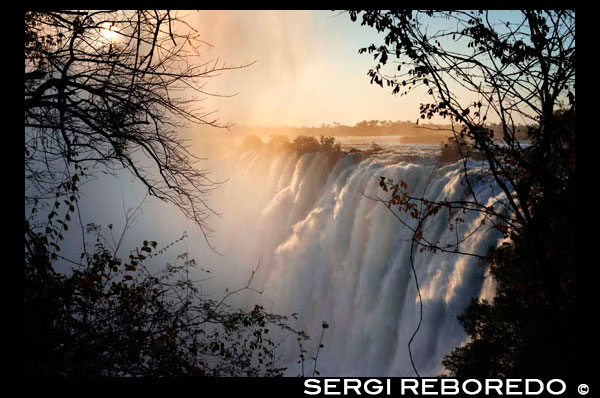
<point x="307" y="69"/>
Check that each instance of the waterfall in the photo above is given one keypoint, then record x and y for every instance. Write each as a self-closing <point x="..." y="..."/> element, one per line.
<point x="330" y="253"/>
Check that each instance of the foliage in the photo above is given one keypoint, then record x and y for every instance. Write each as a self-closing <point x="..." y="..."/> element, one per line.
<point x="103" y="89"/>
<point x="115" y="317"/>
<point x="521" y="70"/>
<point x="329" y="144"/>
<point x="408" y="130"/>
<point x="524" y="332"/>
<point x="278" y="143"/>
<point x="303" y="352"/>
<point x="252" y="142"/>
<point x="455" y="149"/>
<point x="304" y="144"/>
<point x="307" y="144"/>
<point x="537" y="51"/>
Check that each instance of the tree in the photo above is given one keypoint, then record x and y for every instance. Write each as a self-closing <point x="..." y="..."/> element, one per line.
<point x="108" y="89"/>
<point x="111" y="317"/>
<point x="308" y="144"/>
<point x="455" y="149"/>
<point x="328" y="144"/>
<point x="520" y="69"/>
<point x="111" y="89"/>
<point x="305" y="144"/>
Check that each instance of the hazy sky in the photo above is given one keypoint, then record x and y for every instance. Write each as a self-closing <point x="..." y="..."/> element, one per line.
<point x="307" y="71"/>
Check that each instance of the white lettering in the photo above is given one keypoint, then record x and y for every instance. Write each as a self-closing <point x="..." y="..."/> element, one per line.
<point x="454" y="387"/>
<point x="509" y="385"/>
<point x="355" y="387"/>
<point x="331" y="383"/>
<point x="427" y="383"/>
<point x="564" y="386"/>
<point x="404" y="387"/>
<point x="471" y="381"/>
<point x="528" y="391"/>
<point x="489" y="386"/>
<point x="310" y="383"/>
<point x="377" y="389"/>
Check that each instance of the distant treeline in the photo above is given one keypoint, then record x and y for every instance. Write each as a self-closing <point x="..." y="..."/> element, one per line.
<point x="410" y="131"/>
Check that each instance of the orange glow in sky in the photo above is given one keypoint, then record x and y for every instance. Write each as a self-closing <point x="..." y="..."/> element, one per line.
<point x="308" y="71"/>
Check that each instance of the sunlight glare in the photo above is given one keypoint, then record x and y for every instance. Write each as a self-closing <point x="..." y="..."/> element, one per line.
<point x="108" y="31"/>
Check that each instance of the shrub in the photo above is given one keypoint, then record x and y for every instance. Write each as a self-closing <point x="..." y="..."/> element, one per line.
<point x="278" y="143"/>
<point x="307" y="144"/>
<point x="455" y="149"/>
<point x="252" y="142"/>
<point x="114" y="317"/>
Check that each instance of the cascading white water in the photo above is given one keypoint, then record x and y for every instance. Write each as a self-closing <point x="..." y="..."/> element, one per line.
<point x="330" y="253"/>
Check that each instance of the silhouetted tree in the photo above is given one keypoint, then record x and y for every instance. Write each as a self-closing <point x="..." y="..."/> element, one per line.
<point x="329" y="144"/>
<point x="115" y="317"/>
<point x="520" y="68"/>
<point x="111" y="89"/>
<point x="455" y="149"/>
<point x="252" y="142"/>
<point x="108" y="89"/>
<point x="307" y="144"/>
<point x="304" y="144"/>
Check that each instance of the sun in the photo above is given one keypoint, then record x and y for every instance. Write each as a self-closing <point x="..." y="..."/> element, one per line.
<point x="108" y="31"/>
